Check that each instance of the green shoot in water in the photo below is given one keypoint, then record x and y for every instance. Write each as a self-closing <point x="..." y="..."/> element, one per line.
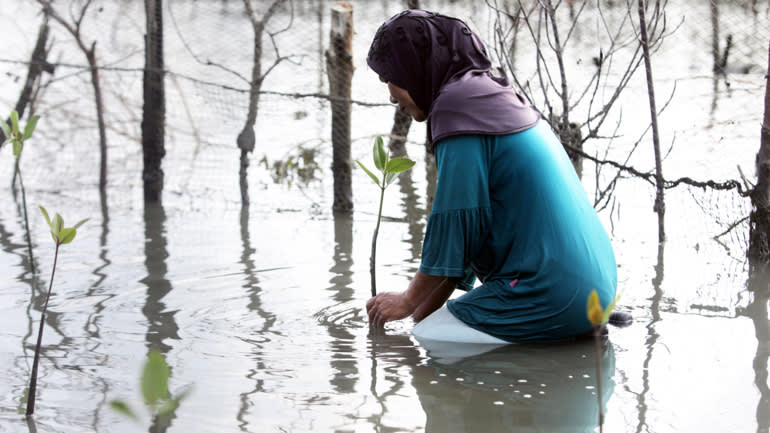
<point x="16" y="137"/>
<point x="598" y="318"/>
<point x="389" y="168"/>
<point x="61" y="235"/>
<point x="157" y="398"/>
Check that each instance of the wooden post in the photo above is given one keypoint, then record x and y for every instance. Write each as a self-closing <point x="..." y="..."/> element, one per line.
<point x="339" y="65"/>
<point x="154" y="110"/>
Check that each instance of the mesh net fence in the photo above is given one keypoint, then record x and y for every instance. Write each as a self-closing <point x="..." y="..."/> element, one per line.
<point x="710" y="122"/>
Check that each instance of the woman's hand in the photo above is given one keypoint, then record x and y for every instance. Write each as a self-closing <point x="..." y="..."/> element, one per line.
<point x="388" y="306"/>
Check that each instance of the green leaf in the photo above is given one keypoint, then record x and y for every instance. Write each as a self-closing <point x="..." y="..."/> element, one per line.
<point x="30" y="127"/>
<point x="168" y="406"/>
<point x="371" y="175"/>
<point x="17" y="146"/>
<point x="123" y="408"/>
<point x="155" y="378"/>
<point x="6" y="130"/>
<point x="66" y="235"/>
<point x="57" y="224"/>
<point x="397" y="165"/>
<point x="45" y="214"/>
<point x="14" y="122"/>
<point x="80" y="223"/>
<point x="390" y="177"/>
<point x="380" y="156"/>
<point x="608" y="310"/>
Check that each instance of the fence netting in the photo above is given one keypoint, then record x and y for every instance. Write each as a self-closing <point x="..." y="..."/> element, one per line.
<point x="710" y="121"/>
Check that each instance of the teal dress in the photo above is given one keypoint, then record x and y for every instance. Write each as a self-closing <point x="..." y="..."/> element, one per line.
<point x="511" y="211"/>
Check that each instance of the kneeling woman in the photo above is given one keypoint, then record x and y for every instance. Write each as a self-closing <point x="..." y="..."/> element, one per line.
<point x="509" y="208"/>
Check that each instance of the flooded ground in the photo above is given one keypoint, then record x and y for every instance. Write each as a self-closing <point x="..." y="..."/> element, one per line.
<point x="261" y="309"/>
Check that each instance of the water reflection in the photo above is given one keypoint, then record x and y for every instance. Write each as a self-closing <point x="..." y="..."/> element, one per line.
<point x="513" y="388"/>
<point x="757" y="311"/>
<point x="254" y="292"/>
<point x="651" y="340"/>
<point x="160" y="322"/>
<point x="33" y="305"/>
<point x="410" y="203"/>
<point x="337" y="321"/>
<point x="91" y="327"/>
<point x="92" y="321"/>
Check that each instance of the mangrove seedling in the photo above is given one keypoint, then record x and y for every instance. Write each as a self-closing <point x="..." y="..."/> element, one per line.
<point x="598" y="318"/>
<point x="389" y="169"/>
<point x="14" y="134"/>
<point x="154" y="382"/>
<point x="61" y="235"/>
<point x="16" y="137"/>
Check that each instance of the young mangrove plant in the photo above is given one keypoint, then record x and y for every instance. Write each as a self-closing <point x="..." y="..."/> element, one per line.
<point x="389" y="169"/>
<point x="15" y="136"/>
<point x="61" y="235"/>
<point x="158" y="400"/>
<point x="598" y="318"/>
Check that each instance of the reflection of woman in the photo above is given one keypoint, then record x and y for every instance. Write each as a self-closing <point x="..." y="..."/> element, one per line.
<point x="508" y="208"/>
<point x="515" y="388"/>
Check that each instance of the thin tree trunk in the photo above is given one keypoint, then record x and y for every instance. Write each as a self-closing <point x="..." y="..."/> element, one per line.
<point x="759" y="222"/>
<point x="398" y="133"/>
<point x="569" y="133"/>
<point x="339" y="60"/>
<point x="37" y="64"/>
<point x="90" y="53"/>
<point x="154" y="110"/>
<point x="247" y="138"/>
<point x="660" y="205"/>
<point x="715" y="34"/>
<point x="91" y="56"/>
<point x="401" y="121"/>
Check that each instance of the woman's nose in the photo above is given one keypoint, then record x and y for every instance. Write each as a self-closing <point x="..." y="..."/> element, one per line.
<point x="393" y="100"/>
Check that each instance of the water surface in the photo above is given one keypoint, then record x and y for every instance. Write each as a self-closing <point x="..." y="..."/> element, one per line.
<point x="261" y="309"/>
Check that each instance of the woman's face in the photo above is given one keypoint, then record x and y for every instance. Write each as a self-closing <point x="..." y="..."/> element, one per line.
<point x="405" y="102"/>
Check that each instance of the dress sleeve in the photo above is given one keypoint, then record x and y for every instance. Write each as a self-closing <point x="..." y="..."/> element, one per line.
<point x="461" y="216"/>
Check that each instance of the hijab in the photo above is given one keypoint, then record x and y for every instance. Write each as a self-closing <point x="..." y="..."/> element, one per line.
<point x="444" y="67"/>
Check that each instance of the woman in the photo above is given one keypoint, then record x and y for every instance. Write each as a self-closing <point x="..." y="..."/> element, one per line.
<point x="508" y="208"/>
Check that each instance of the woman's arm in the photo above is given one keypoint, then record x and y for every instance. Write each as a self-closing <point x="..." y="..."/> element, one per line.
<point x="435" y="299"/>
<point x="423" y="296"/>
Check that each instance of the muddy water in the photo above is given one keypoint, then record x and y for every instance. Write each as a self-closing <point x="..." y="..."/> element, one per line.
<point x="261" y="310"/>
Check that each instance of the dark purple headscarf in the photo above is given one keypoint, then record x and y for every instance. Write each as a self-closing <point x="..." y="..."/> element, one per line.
<point x="444" y="67"/>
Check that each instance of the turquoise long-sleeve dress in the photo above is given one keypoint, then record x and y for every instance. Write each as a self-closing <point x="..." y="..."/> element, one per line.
<point x="510" y="211"/>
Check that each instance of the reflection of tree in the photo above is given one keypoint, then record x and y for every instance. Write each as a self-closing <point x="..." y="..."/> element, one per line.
<point x="409" y="197"/>
<point x="37" y="300"/>
<point x="337" y="322"/>
<point x="395" y="346"/>
<point x="652" y="339"/>
<point x="160" y="323"/>
<point x="91" y="327"/>
<point x="254" y="291"/>
<point x="757" y="311"/>
<point x="30" y="280"/>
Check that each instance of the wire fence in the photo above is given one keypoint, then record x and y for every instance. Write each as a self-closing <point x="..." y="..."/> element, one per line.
<point x="710" y="119"/>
